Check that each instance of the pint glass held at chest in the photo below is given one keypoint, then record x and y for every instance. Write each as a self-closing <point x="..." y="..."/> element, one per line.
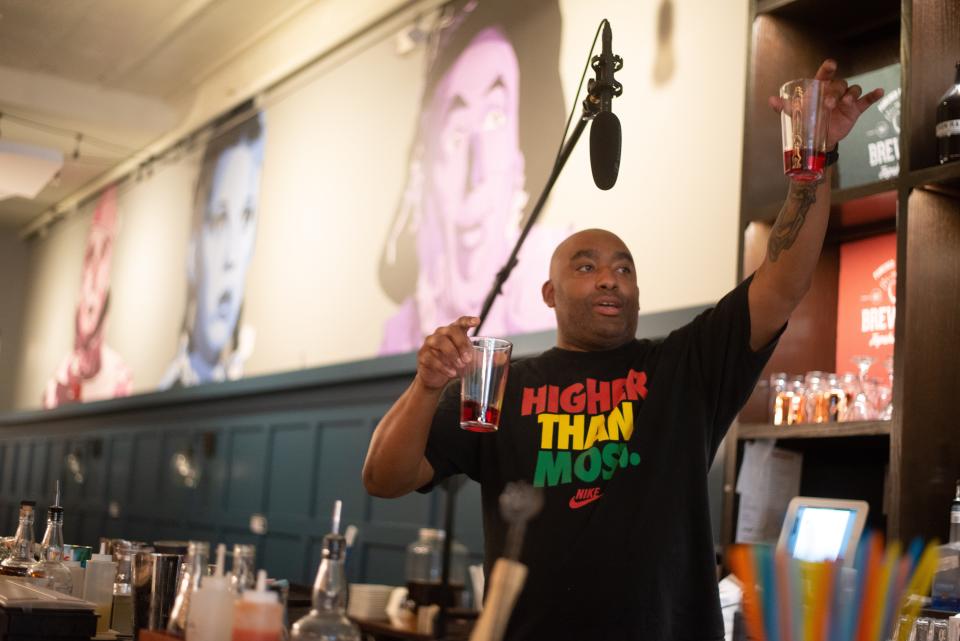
<point x="483" y="384"/>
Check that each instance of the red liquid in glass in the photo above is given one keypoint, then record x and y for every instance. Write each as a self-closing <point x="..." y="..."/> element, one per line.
<point x="810" y="164"/>
<point x="472" y="421"/>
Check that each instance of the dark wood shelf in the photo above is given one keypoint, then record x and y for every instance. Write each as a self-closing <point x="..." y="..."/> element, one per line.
<point x="747" y="431"/>
<point x="941" y="178"/>
<point x="848" y="18"/>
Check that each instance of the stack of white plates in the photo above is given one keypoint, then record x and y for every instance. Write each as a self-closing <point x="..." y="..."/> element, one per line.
<point x="368" y="601"/>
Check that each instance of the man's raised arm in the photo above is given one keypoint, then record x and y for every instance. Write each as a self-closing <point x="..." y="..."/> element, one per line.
<point x="395" y="463"/>
<point x="797" y="236"/>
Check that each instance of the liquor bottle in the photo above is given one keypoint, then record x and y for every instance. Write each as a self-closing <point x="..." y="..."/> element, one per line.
<point x="21" y="551"/>
<point x="243" y="575"/>
<point x="948" y="122"/>
<point x="328" y="621"/>
<point x="955" y="517"/>
<point x="194" y="568"/>
<point x="50" y="569"/>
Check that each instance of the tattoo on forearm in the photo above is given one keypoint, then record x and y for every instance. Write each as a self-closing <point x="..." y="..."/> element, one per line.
<point x="792" y="217"/>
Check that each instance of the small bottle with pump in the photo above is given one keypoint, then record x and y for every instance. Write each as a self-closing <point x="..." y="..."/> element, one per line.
<point x="98" y="587"/>
<point x="50" y="570"/>
<point x="210" y="617"/>
<point x="258" y="615"/>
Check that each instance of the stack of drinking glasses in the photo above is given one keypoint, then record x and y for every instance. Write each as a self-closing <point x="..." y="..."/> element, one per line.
<point x="823" y="397"/>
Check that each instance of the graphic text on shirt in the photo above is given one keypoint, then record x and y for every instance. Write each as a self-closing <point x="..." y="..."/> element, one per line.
<point x="584" y="428"/>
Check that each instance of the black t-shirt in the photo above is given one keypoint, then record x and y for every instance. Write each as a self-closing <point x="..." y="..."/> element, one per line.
<point x="621" y="442"/>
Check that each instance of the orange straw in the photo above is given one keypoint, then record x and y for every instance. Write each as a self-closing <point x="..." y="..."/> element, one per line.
<point x="871" y="590"/>
<point x="823" y="582"/>
<point x="741" y="561"/>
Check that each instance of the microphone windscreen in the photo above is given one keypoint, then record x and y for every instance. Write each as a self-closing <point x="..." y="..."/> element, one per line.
<point x="605" y="149"/>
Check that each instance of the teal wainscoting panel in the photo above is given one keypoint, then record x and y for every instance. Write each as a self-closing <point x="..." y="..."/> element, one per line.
<point x="245" y="482"/>
<point x="201" y="467"/>
<point x="283" y="555"/>
<point x="22" y="468"/>
<point x="292" y="469"/>
<point x="144" y="497"/>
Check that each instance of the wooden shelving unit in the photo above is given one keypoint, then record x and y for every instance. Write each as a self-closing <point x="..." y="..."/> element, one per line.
<point x="749" y="431"/>
<point x="905" y="468"/>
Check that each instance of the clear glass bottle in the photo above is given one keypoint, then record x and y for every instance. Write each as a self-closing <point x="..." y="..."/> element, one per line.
<point x="122" y="617"/>
<point x="328" y="621"/>
<point x="425" y="569"/>
<point x="194" y="567"/>
<point x="21" y="551"/>
<point x="948" y="122"/>
<point x="50" y="569"/>
<point x="243" y="573"/>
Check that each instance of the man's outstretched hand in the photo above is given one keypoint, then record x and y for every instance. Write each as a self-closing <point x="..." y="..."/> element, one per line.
<point x="843" y="103"/>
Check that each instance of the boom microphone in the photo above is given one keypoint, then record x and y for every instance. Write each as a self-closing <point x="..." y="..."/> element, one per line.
<point x="605" y="135"/>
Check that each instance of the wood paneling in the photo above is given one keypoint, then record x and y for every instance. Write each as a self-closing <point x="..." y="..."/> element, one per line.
<point x="930" y="364"/>
<point x="934" y="50"/>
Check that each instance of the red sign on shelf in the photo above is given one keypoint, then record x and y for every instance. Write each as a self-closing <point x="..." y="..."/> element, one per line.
<point x="867" y="303"/>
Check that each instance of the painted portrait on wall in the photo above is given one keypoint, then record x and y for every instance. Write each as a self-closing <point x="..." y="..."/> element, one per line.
<point x="92" y="370"/>
<point x="491" y="114"/>
<point x="214" y="342"/>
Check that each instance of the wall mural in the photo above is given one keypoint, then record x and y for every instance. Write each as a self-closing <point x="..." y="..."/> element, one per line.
<point x="92" y="370"/>
<point x="371" y="215"/>
<point x="214" y="342"/>
<point x="468" y="191"/>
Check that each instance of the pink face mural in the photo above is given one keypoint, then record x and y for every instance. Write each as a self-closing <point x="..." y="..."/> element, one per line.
<point x="491" y="110"/>
<point x="97" y="260"/>
<point x="92" y="370"/>
<point x="473" y="171"/>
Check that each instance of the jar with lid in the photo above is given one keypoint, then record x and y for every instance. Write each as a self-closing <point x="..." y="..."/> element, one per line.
<point x="777" y="412"/>
<point x="425" y="569"/>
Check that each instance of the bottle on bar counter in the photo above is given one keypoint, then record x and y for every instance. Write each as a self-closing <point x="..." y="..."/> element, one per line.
<point x="210" y="617"/>
<point x="21" y="550"/>
<point x="948" y="122"/>
<point x="50" y="570"/>
<point x="258" y="615"/>
<point x="98" y="586"/>
<point x="194" y="567"/>
<point x="243" y="574"/>
<point x="328" y="621"/>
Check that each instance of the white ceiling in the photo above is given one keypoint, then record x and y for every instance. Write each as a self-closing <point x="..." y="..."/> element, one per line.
<point x="122" y="71"/>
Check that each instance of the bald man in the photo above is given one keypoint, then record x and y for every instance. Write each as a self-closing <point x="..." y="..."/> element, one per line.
<point x="618" y="432"/>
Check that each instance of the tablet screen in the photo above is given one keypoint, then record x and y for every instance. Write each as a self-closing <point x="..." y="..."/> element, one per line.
<point x="820" y="533"/>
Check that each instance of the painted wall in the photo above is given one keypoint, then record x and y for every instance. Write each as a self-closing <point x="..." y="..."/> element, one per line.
<point x="13" y="289"/>
<point x="335" y="166"/>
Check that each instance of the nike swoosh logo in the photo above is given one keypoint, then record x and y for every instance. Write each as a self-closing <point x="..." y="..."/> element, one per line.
<point x="574" y="503"/>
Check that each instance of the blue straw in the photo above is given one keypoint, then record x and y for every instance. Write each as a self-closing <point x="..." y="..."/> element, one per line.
<point x="852" y="611"/>
<point x="771" y="616"/>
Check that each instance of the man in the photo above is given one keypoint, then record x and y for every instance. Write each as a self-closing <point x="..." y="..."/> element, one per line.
<point x="619" y="433"/>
